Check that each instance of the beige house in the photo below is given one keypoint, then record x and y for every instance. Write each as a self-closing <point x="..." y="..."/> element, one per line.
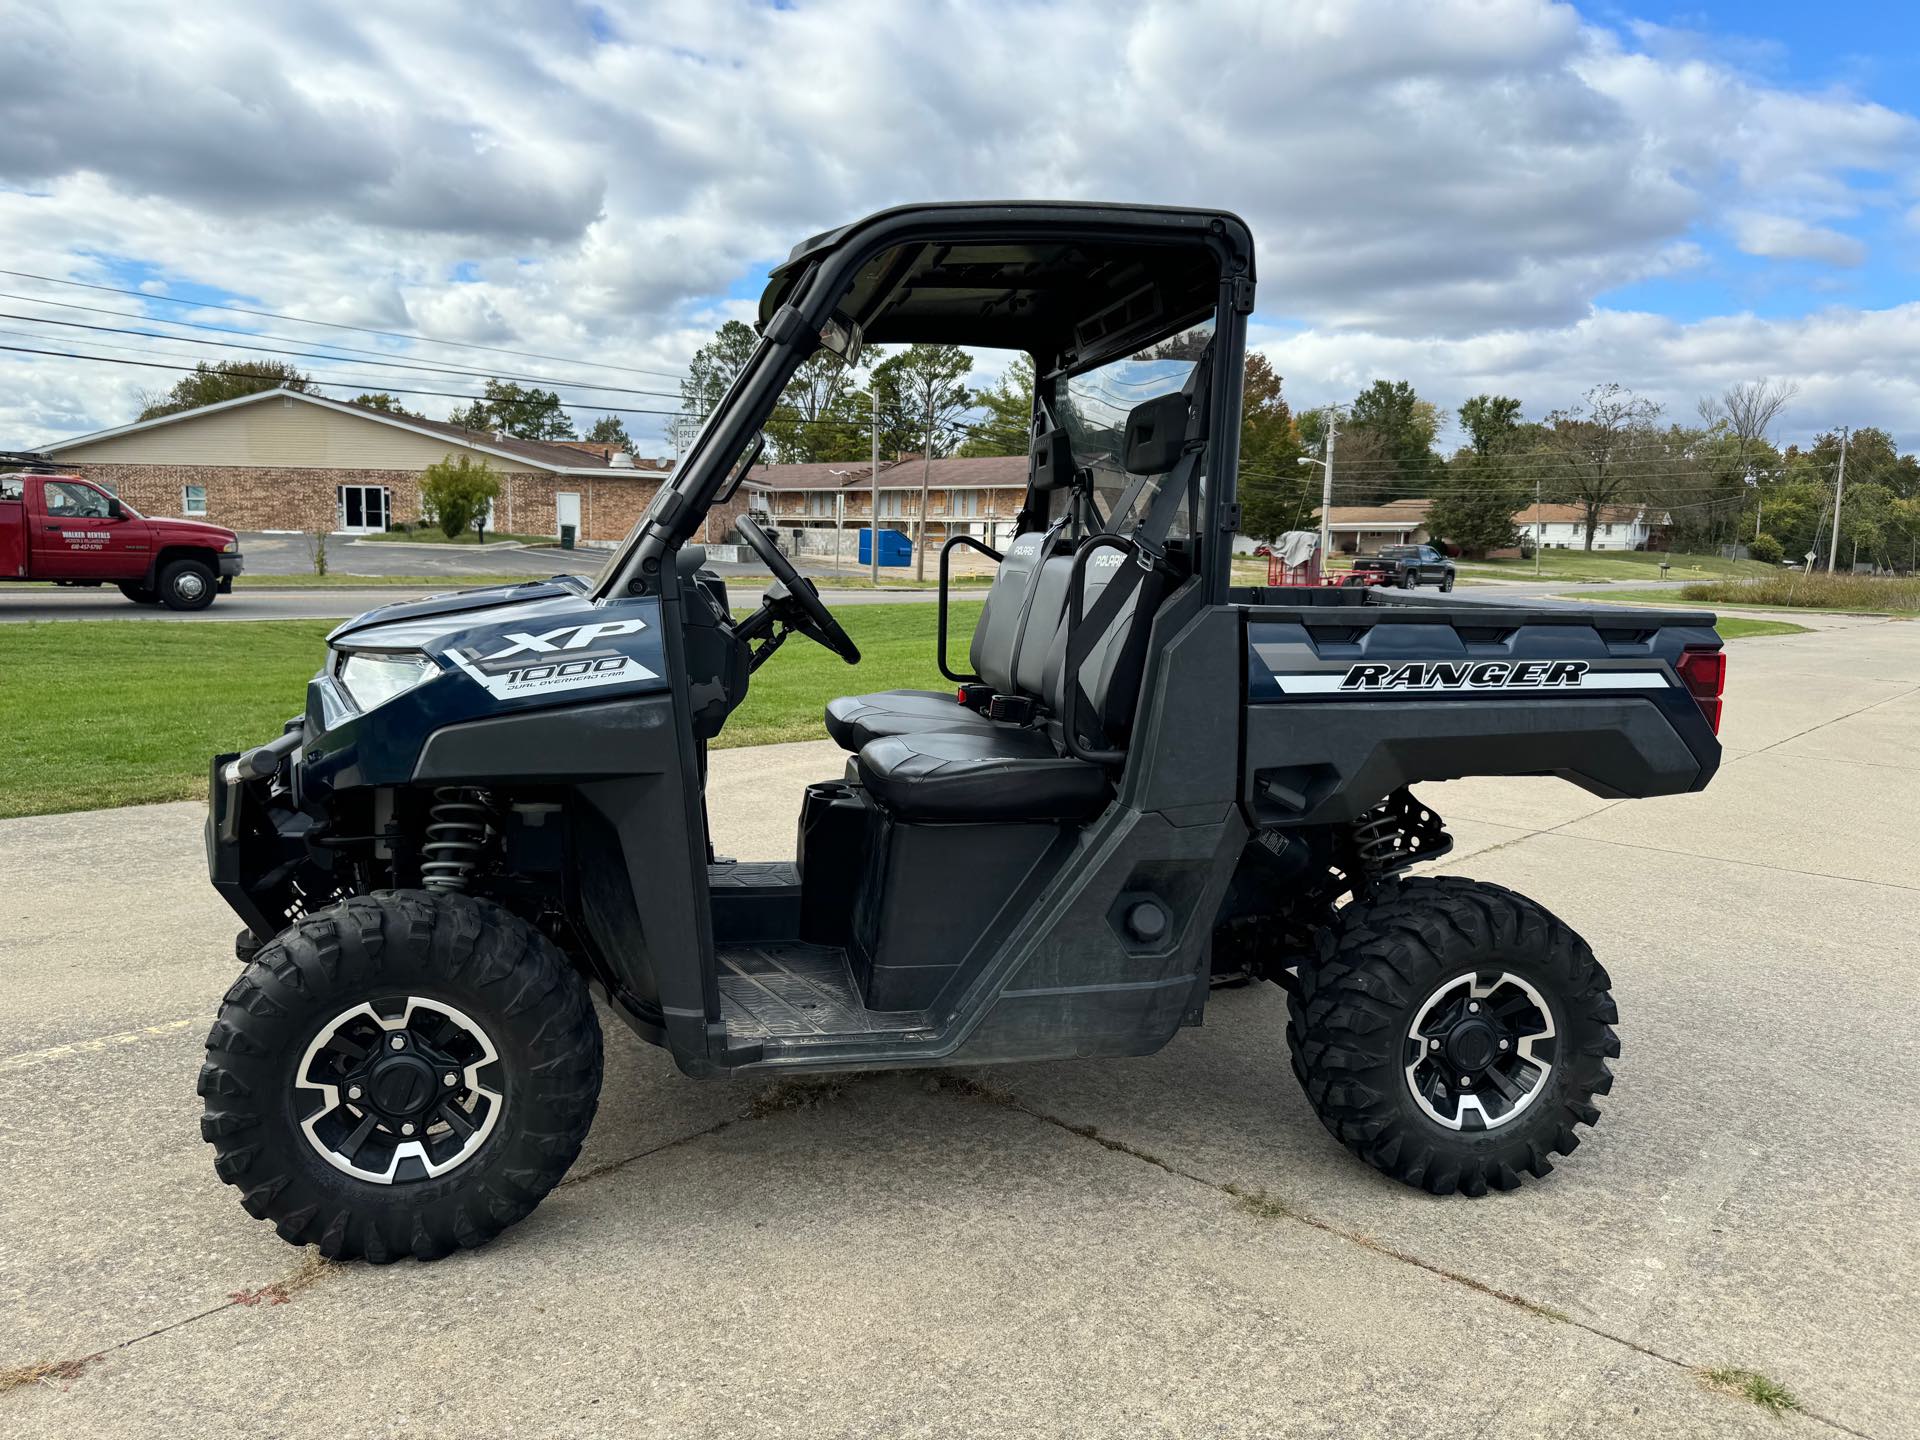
<point x="293" y="460"/>
<point x="974" y="495"/>
<point x="1363" y="529"/>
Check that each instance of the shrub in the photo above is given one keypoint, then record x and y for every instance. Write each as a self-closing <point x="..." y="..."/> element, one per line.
<point x="1766" y="549"/>
<point x="457" y="492"/>
<point x="1817" y="590"/>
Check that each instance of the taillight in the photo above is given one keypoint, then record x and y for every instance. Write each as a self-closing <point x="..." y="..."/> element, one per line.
<point x="1704" y="673"/>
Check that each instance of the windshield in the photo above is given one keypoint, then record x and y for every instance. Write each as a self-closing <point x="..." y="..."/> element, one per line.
<point x="1094" y="407"/>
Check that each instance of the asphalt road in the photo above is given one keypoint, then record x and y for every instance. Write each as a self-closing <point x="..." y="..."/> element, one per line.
<point x="889" y="1257"/>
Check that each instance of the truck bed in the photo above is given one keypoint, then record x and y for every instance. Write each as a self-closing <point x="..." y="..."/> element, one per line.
<point x="1352" y="693"/>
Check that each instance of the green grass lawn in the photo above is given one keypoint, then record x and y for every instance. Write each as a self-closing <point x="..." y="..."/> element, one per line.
<point x="1613" y="565"/>
<point x="1739" y="627"/>
<point x="126" y="712"/>
<point x="334" y="580"/>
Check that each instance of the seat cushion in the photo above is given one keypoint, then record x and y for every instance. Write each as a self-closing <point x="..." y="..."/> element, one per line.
<point x="853" y="720"/>
<point x="999" y="774"/>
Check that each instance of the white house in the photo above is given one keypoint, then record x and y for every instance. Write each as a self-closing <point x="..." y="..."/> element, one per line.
<point x="1564" y="527"/>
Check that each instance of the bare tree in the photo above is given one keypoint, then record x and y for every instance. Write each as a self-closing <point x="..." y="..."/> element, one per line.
<point x="1595" y="441"/>
<point x="1749" y="408"/>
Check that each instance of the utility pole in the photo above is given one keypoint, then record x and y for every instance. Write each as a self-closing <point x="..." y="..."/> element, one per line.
<point x="926" y="476"/>
<point x="1537" y="517"/>
<point x="1326" y="489"/>
<point x="1839" y="486"/>
<point x="873" y="480"/>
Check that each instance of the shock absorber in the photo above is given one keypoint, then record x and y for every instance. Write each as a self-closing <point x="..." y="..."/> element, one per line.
<point x="1376" y="837"/>
<point x="460" y="831"/>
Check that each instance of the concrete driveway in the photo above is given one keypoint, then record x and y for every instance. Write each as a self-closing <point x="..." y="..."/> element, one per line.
<point x="1061" y="1249"/>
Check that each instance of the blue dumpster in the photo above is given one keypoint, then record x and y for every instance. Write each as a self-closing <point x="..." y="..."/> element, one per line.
<point x="895" y="548"/>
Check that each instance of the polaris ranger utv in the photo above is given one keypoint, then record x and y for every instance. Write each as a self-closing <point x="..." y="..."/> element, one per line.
<point x="1145" y="779"/>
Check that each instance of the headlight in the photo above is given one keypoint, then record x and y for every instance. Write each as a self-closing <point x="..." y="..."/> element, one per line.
<point x="375" y="679"/>
<point x="229" y="547"/>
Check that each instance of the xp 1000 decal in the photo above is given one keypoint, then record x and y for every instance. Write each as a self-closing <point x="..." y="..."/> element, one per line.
<point x="572" y="657"/>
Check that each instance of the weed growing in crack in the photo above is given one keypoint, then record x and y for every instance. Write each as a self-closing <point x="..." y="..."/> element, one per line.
<point x="313" y="1265"/>
<point x="50" y="1372"/>
<point x="807" y="1092"/>
<point x="1750" y="1385"/>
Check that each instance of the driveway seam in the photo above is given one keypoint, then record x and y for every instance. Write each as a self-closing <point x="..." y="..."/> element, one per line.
<point x="982" y="1092"/>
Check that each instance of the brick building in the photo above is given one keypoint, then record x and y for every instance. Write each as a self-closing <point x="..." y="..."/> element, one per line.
<point x="972" y="495"/>
<point x="292" y="460"/>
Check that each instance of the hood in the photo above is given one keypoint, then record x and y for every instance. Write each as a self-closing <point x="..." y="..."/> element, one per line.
<point x="462" y="607"/>
<point x="193" y="529"/>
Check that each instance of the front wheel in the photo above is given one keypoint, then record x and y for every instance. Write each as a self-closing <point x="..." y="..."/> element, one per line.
<point x="1456" y="1035"/>
<point x="400" y="1074"/>
<point x="187" y="585"/>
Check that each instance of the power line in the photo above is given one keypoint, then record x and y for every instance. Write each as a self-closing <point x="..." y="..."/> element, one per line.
<point x="335" y="359"/>
<point x="401" y="390"/>
<point x="337" y="325"/>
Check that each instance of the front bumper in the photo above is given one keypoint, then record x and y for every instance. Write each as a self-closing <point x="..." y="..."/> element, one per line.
<point x="230" y="567"/>
<point x="258" y="857"/>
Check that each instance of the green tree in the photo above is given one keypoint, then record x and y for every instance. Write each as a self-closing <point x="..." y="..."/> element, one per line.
<point x="224" y="380"/>
<point x="385" y="403"/>
<point x="1006" y="413"/>
<point x="1475" y="509"/>
<point x="611" y="430"/>
<point x="821" y="416"/>
<point x="713" y="366"/>
<point x="1765" y="548"/>
<point x="508" y="409"/>
<point x="456" y="493"/>
<point x="922" y="392"/>
<point x="1276" y="491"/>
<point x="1402" y="428"/>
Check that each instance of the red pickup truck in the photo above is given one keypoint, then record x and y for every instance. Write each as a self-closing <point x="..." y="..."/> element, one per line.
<point x="70" y="531"/>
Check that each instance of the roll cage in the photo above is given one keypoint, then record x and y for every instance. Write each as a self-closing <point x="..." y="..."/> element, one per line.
<point x="1074" y="285"/>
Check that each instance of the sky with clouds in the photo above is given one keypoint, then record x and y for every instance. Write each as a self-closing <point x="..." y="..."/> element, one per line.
<point x="1505" y="195"/>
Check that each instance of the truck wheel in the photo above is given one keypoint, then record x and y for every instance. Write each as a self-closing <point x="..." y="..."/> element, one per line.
<point x="139" y="594"/>
<point x="1456" y="1035"/>
<point x="400" y="1074"/>
<point x="187" y="585"/>
<point x="1446" y="584"/>
<point x="1408" y="580"/>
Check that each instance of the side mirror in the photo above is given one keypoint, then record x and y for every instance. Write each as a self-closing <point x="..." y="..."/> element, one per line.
<point x="115" y="510"/>
<point x="843" y="338"/>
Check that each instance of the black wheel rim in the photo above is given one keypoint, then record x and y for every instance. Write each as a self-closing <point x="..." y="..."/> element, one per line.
<point x="1480" y="1051"/>
<point x="399" y="1090"/>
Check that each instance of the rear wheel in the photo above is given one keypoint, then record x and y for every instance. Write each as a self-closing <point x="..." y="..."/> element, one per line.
<point x="1408" y="579"/>
<point x="400" y="1074"/>
<point x="139" y="594"/>
<point x="1446" y="583"/>
<point x="1456" y="1035"/>
<point x="187" y="585"/>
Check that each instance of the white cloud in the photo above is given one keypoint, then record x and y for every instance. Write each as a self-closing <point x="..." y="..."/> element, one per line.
<point x="1859" y="366"/>
<point x="1781" y="237"/>
<point x="1419" y="175"/>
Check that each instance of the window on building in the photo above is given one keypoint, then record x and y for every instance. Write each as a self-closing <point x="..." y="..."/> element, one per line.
<point x="1606" y="529"/>
<point x="193" y="500"/>
<point x="964" y="502"/>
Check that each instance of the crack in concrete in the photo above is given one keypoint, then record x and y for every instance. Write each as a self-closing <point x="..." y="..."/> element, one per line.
<point x="1260" y="1205"/>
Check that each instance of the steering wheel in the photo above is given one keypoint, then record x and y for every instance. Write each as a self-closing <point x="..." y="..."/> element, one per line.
<point x="795" y="599"/>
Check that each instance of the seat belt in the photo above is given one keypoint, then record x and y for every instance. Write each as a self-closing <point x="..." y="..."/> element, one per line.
<point x="1149" y="537"/>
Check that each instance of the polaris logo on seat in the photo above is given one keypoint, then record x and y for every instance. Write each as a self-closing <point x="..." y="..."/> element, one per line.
<point x="1466" y="675"/>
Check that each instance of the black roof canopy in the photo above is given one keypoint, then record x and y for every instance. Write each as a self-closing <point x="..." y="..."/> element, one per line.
<point x="1075" y="282"/>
